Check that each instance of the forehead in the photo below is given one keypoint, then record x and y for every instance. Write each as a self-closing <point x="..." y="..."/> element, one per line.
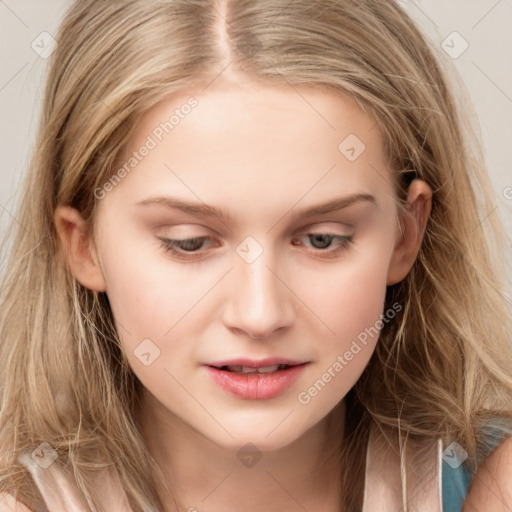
<point x="256" y="141"/>
<point x="257" y="110"/>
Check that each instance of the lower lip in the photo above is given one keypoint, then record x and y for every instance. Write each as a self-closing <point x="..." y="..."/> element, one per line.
<point x="256" y="386"/>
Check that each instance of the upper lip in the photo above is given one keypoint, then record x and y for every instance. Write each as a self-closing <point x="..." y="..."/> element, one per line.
<point x="253" y="363"/>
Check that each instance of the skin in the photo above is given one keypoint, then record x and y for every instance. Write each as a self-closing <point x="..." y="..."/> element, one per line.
<point x="262" y="153"/>
<point x="491" y="487"/>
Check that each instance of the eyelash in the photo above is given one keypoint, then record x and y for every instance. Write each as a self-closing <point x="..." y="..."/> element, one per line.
<point x="172" y="245"/>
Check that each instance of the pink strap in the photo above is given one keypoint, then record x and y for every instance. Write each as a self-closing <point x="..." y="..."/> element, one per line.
<point x="62" y="495"/>
<point x="383" y="478"/>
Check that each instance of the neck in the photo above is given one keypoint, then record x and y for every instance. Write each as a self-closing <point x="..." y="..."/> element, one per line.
<point x="206" y="476"/>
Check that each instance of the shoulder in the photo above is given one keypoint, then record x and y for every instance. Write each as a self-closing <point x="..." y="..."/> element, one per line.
<point x="491" y="487"/>
<point x="9" y="504"/>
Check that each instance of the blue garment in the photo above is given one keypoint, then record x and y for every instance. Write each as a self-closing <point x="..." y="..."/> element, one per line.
<point x="455" y="487"/>
<point x="456" y="481"/>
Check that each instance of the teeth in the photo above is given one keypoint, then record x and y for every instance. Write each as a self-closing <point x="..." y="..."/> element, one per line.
<point x="234" y="368"/>
<point x="248" y="369"/>
<point x="269" y="369"/>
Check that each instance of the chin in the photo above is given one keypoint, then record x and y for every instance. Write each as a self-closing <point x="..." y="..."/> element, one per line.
<point x="259" y="442"/>
<point x="264" y="439"/>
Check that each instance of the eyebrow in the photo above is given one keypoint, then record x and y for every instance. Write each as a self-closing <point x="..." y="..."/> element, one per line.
<point x="205" y="210"/>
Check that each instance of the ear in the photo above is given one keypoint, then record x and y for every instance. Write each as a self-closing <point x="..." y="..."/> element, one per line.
<point x="78" y="248"/>
<point x="413" y="223"/>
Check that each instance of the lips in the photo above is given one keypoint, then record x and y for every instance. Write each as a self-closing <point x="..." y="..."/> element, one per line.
<point x="256" y="379"/>
<point x="255" y="364"/>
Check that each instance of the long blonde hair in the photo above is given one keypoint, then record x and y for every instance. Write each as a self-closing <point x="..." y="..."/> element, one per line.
<point x="442" y="368"/>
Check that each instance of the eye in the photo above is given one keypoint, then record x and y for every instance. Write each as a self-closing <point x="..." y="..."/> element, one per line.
<point x="322" y="242"/>
<point x="184" y="248"/>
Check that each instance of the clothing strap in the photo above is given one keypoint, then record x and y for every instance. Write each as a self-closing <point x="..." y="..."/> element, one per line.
<point x="383" y="489"/>
<point x="62" y="495"/>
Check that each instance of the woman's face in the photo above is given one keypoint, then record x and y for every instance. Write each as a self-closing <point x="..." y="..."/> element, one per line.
<point x="212" y="256"/>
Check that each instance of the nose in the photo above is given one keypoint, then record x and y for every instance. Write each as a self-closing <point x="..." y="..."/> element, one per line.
<point x="259" y="301"/>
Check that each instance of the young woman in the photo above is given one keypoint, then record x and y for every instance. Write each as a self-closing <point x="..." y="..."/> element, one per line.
<point x="250" y="271"/>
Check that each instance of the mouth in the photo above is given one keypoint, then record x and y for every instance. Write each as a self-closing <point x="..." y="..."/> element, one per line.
<point x="256" y="380"/>
<point x="240" y="369"/>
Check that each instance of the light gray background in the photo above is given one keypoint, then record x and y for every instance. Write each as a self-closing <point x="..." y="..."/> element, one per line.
<point x="485" y="67"/>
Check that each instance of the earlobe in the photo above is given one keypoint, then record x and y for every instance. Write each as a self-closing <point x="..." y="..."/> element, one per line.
<point x="414" y="222"/>
<point x="78" y="249"/>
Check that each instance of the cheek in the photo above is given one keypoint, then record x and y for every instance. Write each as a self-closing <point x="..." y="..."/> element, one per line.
<point x="350" y="305"/>
<point x="348" y="298"/>
<point x="148" y="295"/>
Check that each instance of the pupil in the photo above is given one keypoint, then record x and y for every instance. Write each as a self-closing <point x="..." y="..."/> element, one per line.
<point x="327" y="239"/>
<point x="191" y="244"/>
